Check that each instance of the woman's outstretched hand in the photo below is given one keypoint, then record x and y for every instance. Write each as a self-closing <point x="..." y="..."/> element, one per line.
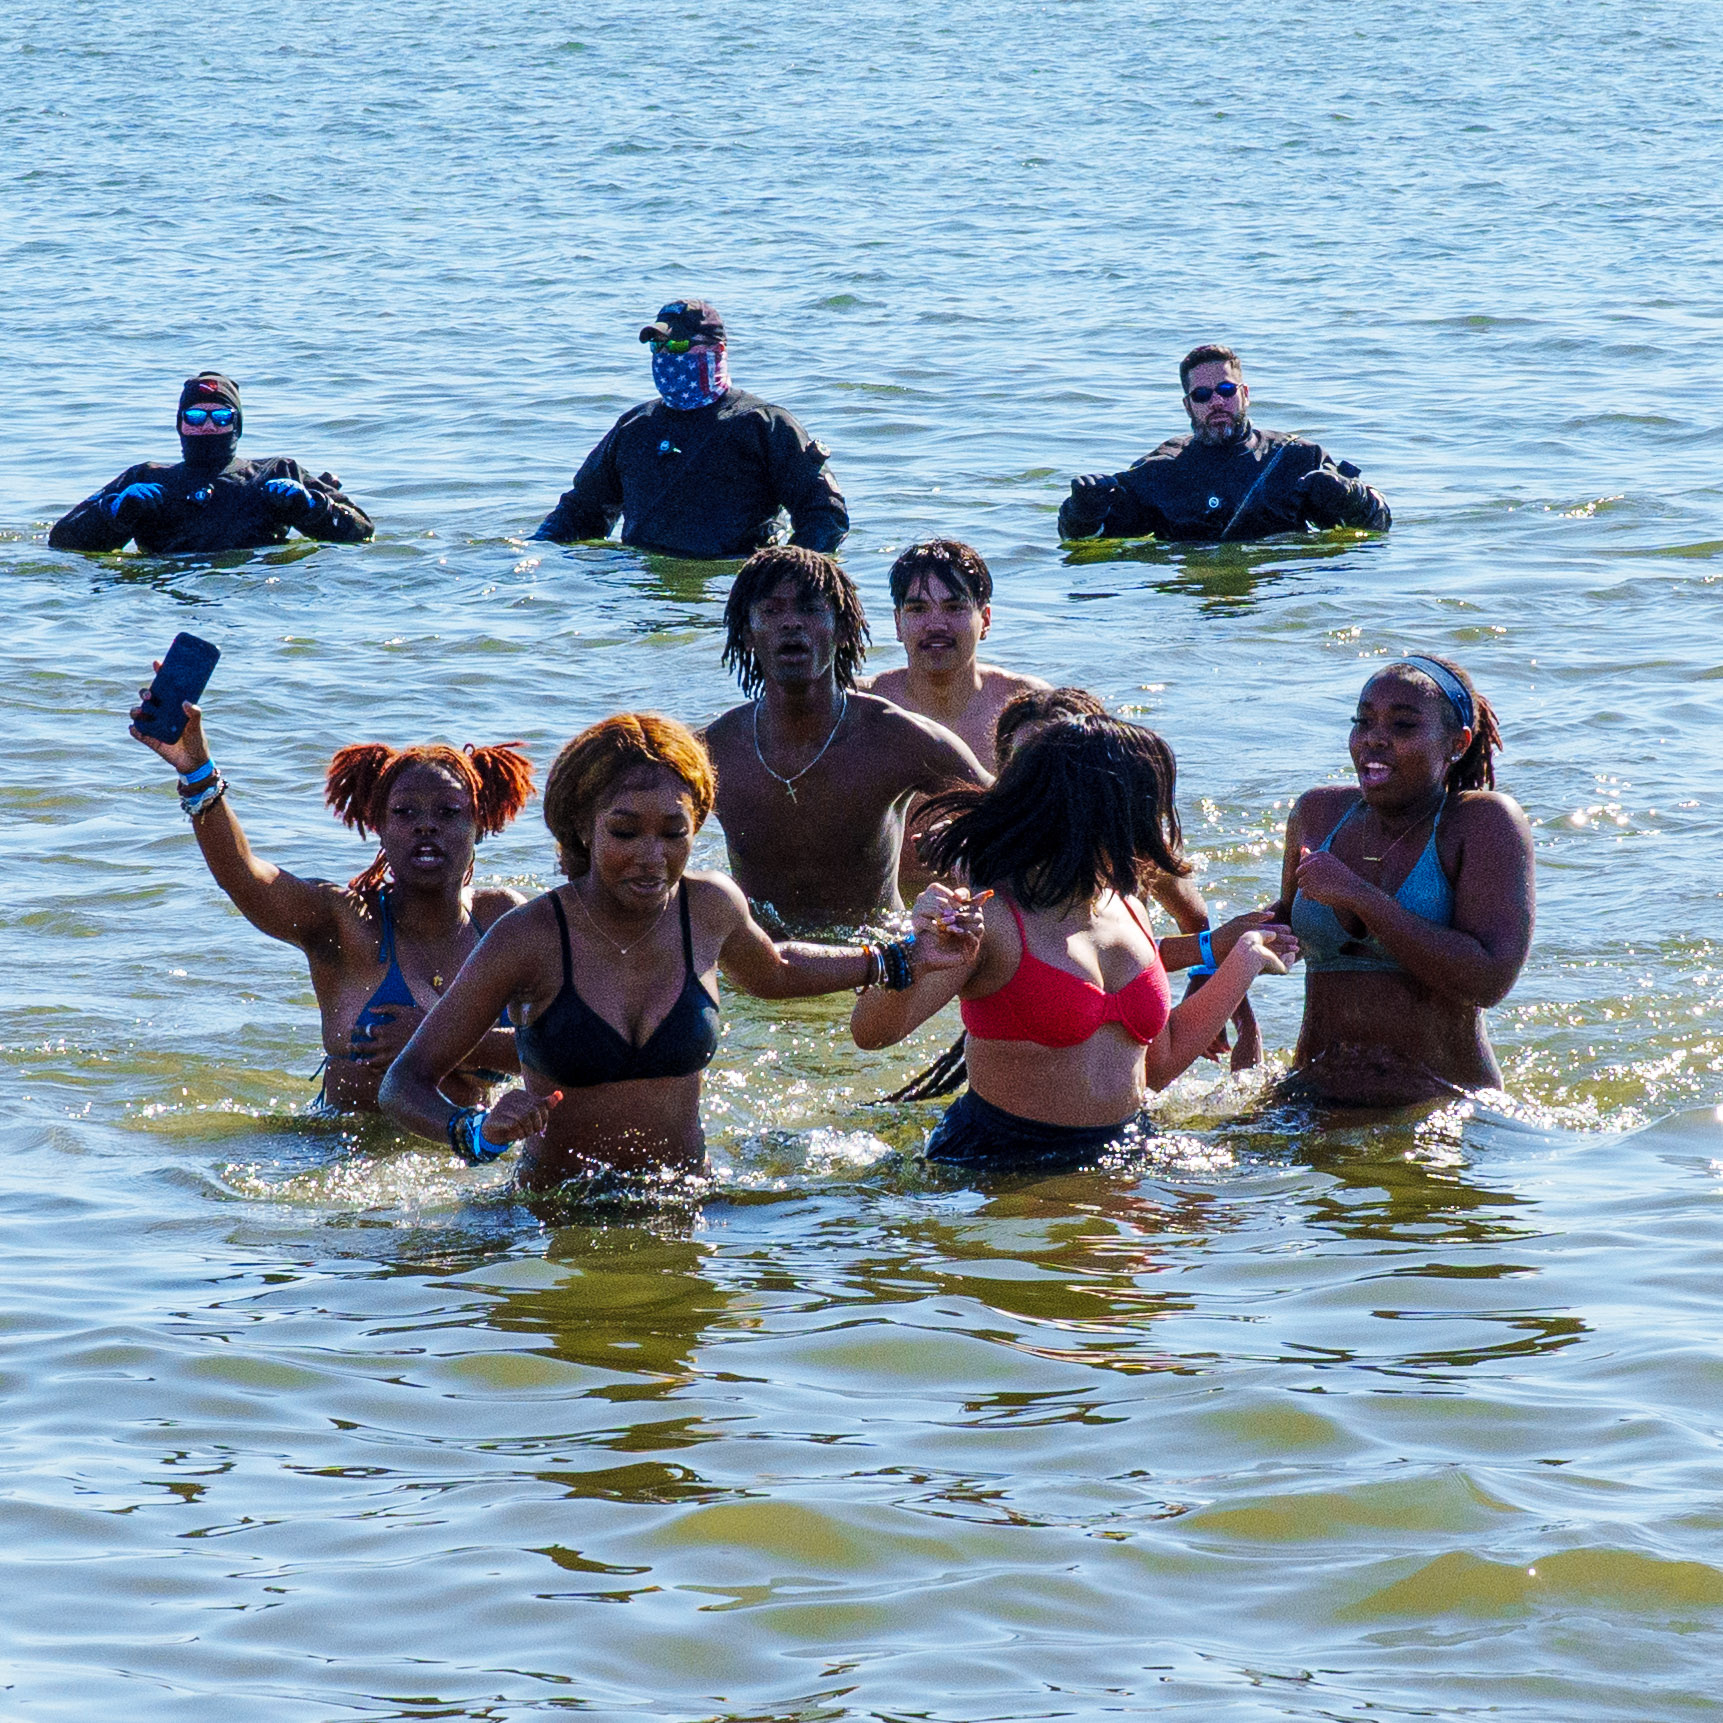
<point x="948" y="924"/>
<point x="190" y="751"/>
<point x="1273" y="950"/>
<point x="518" y="1114"/>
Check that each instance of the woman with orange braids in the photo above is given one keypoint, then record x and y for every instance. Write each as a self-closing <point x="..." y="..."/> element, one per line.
<point x="382" y="947"/>
<point x="613" y="976"/>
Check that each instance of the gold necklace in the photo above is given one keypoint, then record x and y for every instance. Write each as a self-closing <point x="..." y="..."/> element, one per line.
<point x="1433" y="813"/>
<point x="623" y="950"/>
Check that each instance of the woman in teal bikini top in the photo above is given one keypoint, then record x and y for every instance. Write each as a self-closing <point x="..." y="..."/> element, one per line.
<point x="1411" y="897"/>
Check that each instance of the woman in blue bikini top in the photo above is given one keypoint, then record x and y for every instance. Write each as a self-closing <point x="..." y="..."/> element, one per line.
<point x="382" y="947"/>
<point x="1412" y="896"/>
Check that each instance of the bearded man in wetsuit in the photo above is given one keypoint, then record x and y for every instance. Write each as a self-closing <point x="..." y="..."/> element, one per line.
<point x="1227" y="480"/>
<point x="814" y="777"/>
<point x="703" y="471"/>
<point x="209" y="500"/>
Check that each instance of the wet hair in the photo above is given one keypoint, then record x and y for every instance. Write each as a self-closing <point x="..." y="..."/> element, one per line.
<point x="1083" y="807"/>
<point x="362" y="775"/>
<point x="813" y="573"/>
<point x="1211" y="353"/>
<point x="949" y="560"/>
<point x="1038" y="706"/>
<point x="590" y="766"/>
<point x="1476" y="768"/>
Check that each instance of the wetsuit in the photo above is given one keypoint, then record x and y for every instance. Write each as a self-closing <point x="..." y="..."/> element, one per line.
<point x="1052" y="1008"/>
<point x="203" y="509"/>
<point x="1190" y="490"/>
<point x="705" y="483"/>
<point x="572" y="1045"/>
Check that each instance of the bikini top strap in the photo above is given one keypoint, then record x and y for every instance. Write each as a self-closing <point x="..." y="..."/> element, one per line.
<point x="1334" y="830"/>
<point x="386" y="931"/>
<point x="1022" y="932"/>
<point x="562" y="927"/>
<point x="1131" y="908"/>
<point x="687" y="930"/>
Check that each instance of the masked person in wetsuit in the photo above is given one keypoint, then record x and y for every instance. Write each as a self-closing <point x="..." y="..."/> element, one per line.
<point x="210" y="500"/>
<point x="382" y="947"/>
<point x="703" y="471"/>
<point x="1225" y="481"/>
<point x="1412" y="897"/>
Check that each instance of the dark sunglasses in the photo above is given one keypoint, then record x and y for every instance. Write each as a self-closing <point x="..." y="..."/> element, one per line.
<point x="676" y="346"/>
<point x="220" y="417"/>
<point x="1225" y="390"/>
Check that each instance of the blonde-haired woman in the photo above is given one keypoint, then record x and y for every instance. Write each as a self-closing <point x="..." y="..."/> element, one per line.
<point x="612" y="976"/>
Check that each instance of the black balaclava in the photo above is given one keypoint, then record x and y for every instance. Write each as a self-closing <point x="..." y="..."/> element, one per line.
<point x="210" y="389"/>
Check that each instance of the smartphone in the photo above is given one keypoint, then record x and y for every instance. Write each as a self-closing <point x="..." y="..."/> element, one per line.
<point x="184" y="675"/>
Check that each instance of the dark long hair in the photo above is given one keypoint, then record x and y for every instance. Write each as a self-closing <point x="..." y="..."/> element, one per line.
<point x="813" y="572"/>
<point x="1077" y="811"/>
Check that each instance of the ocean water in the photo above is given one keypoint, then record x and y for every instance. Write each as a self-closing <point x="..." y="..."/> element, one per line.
<point x="1416" y="1418"/>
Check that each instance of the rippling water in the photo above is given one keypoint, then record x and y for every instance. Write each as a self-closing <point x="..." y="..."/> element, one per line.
<point x="1415" y="1419"/>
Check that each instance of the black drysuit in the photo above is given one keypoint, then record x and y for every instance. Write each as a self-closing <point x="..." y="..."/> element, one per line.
<point x="212" y="509"/>
<point x="705" y="483"/>
<point x="1191" y="490"/>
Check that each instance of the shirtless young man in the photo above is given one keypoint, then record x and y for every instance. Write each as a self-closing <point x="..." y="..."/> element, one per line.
<point x="814" y="777"/>
<point x="941" y="595"/>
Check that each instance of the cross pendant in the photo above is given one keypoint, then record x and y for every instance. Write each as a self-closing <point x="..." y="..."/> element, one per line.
<point x="790" y="791"/>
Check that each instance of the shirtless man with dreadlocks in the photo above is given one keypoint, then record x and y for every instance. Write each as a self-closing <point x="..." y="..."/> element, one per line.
<point x="814" y="777"/>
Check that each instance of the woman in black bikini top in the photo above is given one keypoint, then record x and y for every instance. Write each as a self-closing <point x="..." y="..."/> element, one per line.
<point x="613" y="975"/>
<point x="381" y="947"/>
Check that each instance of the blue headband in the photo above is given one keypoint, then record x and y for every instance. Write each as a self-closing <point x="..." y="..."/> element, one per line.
<point x="1449" y="683"/>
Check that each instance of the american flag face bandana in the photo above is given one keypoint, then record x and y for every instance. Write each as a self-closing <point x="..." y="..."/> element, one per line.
<point x="696" y="378"/>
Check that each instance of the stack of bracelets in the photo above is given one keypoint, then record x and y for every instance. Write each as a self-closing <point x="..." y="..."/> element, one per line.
<point x="200" y="789"/>
<point x="888" y="966"/>
<point x="467" y="1136"/>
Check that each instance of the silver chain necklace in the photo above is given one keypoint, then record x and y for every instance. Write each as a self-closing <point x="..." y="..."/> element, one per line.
<point x="790" y="783"/>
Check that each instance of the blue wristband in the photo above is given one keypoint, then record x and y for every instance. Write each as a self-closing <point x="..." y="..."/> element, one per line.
<point x="199" y="775"/>
<point x="1205" y="944"/>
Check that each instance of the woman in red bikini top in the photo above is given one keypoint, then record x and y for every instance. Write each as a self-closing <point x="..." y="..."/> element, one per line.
<point x="1069" y="1016"/>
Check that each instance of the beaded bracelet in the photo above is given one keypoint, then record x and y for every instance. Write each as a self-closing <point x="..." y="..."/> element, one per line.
<point x="466" y="1129"/>
<point x="895" y="961"/>
<point x="203" y="800"/>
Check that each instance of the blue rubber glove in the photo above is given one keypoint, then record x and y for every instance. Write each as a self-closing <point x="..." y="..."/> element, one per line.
<point x="289" y="498"/>
<point x="133" y="501"/>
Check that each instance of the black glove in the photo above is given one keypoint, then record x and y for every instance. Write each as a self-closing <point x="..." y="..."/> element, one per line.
<point x="1091" y="498"/>
<point x="1325" y="496"/>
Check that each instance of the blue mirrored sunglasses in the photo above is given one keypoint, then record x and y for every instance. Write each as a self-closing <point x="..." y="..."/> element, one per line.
<point x="221" y="417"/>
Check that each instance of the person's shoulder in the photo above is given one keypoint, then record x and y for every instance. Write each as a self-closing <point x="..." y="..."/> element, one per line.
<point x="1170" y="450"/>
<point x="1001" y="683"/>
<point x="877" y="712"/>
<point x="492" y="902"/>
<point x="1322" y="806"/>
<point x="1481" y="812"/>
<point x="713" y="894"/>
<point x="889" y="685"/>
<point x="724" y="728"/>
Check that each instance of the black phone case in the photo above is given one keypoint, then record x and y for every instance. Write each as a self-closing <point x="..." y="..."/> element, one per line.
<point x="184" y="675"/>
